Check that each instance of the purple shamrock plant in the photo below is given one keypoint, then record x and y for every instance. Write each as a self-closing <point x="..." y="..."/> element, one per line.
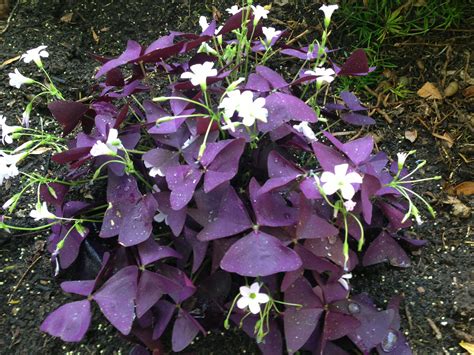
<point x="230" y="178"/>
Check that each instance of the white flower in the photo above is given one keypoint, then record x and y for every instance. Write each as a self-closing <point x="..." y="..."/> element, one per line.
<point x="154" y="170"/>
<point x="323" y="74"/>
<point x="306" y="130"/>
<point x="349" y="205"/>
<point x="259" y="12"/>
<point x="25" y="117"/>
<point x="108" y="148"/>
<point x="233" y="10"/>
<point x="251" y="110"/>
<point x="203" y="23"/>
<point x="343" y="280"/>
<point x="41" y="212"/>
<point x="199" y="73"/>
<point x="328" y="10"/>
<point x="7" y="130"/>
<point x="7" y="171"/>
<point x="161" y="217"/>
<point x="206" y="48"/>
<point x="231" y="103"/>
<point x="270" y="33"/>
<point x="35" y="55"/>
<point x="402" y="157"/>
<point x="252" y="298"/>
<point x="248" y="109"/>
<point x="188" y="142"/>
<point x="340" y="180"/>
<point x="9" y="202"/>
<point x="17" y="79"/>
<point x="8" y="162"/>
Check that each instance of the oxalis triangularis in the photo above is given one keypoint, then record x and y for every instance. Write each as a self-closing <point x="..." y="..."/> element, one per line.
<point x="268" y="212"/>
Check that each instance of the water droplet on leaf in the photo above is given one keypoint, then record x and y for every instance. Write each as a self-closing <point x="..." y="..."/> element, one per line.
<point x="389" y="342"/>
<point x="353" y="308"/>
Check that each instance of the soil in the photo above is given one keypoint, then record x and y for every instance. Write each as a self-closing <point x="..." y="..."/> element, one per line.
<point x="437" y="309"/>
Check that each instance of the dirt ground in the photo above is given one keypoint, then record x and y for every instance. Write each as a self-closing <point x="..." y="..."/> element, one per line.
<point x="437" y="311"/>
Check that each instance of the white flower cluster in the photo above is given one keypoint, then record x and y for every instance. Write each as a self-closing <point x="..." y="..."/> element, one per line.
<point x="8" y="162"/>
<point x="341" y="181"/>
<point x="110" y="147"/>
<point x="244" y="104"/>
<point x="199" y="73"/>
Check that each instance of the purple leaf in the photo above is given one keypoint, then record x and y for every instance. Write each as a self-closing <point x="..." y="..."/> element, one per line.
<point x="299" y="325"/>
<point x="310" y="225"/>
<point x="68" y="113"/>
<point x="185" y="330"/>
<point x="283" y="108"/>
<point x="159" y="160"/>
<point x="316" y="263"/>
<point x="150" y="251"/>
<point x="370" y="185"/>
<point x="331" y="248"/>
<point x="351" y="101"/>
<point x="138" y="226"/>
<point x="81" y="287"/>
<point x="357" y="150"/>
<point x="122" y="192"/>
<point x="230" y="218"/>
<point x="327" y="157"/>
<point x="164" y="310"/>
<point x="151" y="287"/>
<point x="356" y="64"/>
<point x="259" y="254"/>
<point x="174" y="219"/>
<point x="271" y="209"/>
<point x="132" y="52"/>
<point x="187" y="288"/>
<point x="182" y="181"/>
<point x="116" y="298"/>
<point x="374" y="325"/>
<point x="69" y="322"/>
<point x="280" y="170"/>
<point x="221" y="160"/>
<point x="337" y="325"/>
<point x="275" y="79"/>
<point x="199" y="248"/>
<point x="309" y="189"/>
<point x="385" y="248"/>
<point x="357" y="119"/>
<point x="257" y="83"/>
<point x="53" y="193"/>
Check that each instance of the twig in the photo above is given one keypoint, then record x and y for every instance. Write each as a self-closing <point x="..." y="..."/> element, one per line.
<point x="23" y="276"/>
<point x="435" y="329"/>
<point x="384" y="115"/>
<point x="409" y="318"/>
<point x="10" y="17"/>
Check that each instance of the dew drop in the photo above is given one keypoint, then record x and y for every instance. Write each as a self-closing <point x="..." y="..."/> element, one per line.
<point x="389" y="342"/>
<point x="353" y="308"/>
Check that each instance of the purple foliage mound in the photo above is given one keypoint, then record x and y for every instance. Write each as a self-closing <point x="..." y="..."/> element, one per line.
<point x="228" y="200"/>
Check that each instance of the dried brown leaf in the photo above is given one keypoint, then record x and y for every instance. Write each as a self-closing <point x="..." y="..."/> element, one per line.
<point x="429" y="91"/>
<point x="468" y="346"/>
<point x="446" y="137"/>
<point x="465" y="188"/>
<point x="459" y="208"/>
<point x="67" y="18"/>
<point x="40" y="150"/>
<point x="9" y="61"/>
<point x="95" y="36"/>
<point x="411" y="135"/>
<point x="468" y="92"/>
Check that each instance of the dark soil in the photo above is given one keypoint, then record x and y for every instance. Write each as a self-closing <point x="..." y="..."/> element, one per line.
<point x="437" y="287"/>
